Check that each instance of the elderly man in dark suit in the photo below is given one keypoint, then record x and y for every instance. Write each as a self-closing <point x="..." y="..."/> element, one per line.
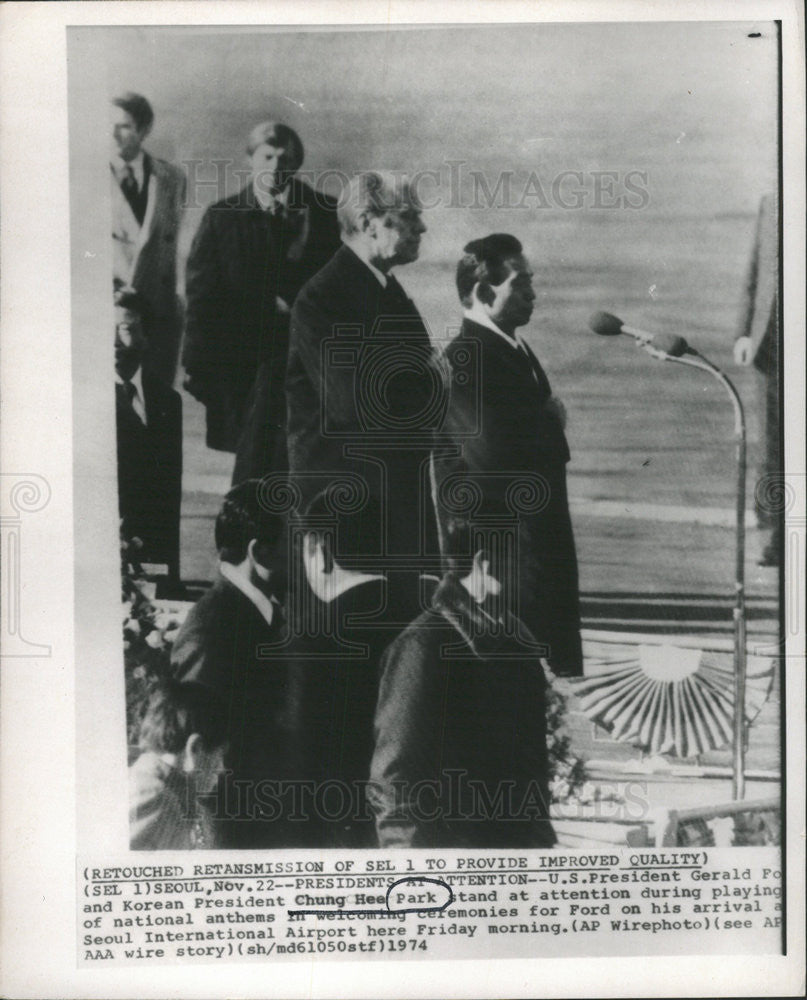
<point x="149" y="438"/>
<point x="364" y="393"/>
<point x="232" y="642"/>
<point x="148" y="197"/>
<point x="508" y="430"/>
<point x="757" y="344"/>
<point x="250" y="257"/>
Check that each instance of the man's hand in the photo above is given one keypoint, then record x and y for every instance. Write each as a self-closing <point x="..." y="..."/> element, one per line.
<point x="742" y="351"/>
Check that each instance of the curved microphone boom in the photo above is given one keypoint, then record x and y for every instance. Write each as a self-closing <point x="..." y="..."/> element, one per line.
<point x="659" y="344"/>
<point x="668" y="347"/>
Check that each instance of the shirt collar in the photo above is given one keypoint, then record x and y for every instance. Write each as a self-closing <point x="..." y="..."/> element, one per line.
<point x="263" y="603"/>
<point x="477" y="314"/>
<point x="137" y="165"/>
<point x="267" y="200"/>
<point x="136" y="380"/>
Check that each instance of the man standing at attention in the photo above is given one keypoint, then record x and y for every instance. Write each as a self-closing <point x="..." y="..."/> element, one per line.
<point x="506" y="423"/>
<point x="363" y="390"/>
<point x="250" y="257"/>
<point x="148" y="196"/>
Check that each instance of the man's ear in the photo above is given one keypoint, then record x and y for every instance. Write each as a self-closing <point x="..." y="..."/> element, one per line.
<point x="255" y="551"/>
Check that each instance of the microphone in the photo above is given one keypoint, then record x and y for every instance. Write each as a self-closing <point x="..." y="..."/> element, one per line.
<point x="607" y="325"/>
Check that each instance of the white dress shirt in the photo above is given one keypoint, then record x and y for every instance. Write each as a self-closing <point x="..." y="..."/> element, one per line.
<point x="267" y="200"/>
<point x="137" y="167"/>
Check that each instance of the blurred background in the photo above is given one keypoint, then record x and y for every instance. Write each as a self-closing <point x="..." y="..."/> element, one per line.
<point x="685" y="112"/>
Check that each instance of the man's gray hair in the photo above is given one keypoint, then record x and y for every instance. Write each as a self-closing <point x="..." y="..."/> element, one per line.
<point x="372" y="194"/>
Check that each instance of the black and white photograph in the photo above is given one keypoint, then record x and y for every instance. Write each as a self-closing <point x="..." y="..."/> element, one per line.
<point x="437" y="499"/>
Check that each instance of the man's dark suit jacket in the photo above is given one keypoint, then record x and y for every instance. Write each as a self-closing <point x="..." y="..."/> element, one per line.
<point x="362" y="375"/>
<point x="458" y="705"/>
<point x="150" y="470"/>
<point x="333" y="686"/>
<point x="241" y="260"/>
<point x="500" y="419"/>
<point x="220" y="645"/>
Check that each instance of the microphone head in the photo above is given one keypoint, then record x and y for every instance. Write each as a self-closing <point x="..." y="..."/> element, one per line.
<point x="605" y="324"/>
<point x="669" y="343"/>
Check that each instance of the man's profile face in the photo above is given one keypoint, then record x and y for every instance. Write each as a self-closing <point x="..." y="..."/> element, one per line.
<point x="398" y="232"/>
<point x="129" y="342"/>
<point x="127" y="138"/>
<point x="514" y="298"/>
<point x="272" y="167"/>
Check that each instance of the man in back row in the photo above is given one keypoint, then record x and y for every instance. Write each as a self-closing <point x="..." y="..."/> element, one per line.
<point x="251" y="254"/>
<point x="148" y="197"/>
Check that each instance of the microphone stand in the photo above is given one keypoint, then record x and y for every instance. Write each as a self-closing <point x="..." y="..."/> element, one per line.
<point x="697" y="360"/>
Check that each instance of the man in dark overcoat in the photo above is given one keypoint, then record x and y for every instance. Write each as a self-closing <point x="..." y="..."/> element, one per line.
<point x="342" y="616"/>
<point x="364" y="393"/>
<point x="460" y="756"/>
<point x="250" y="257"/>
<point x="231" y="642"/>
<point x="508" y="433"/>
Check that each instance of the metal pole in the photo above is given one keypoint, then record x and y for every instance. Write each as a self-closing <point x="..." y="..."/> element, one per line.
<point x="738" y="733"/>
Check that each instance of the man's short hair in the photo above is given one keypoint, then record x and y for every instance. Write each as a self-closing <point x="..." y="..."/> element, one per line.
<point x="244" y="516"/>
<point x="138" y="107"/>
<point x="279" y="135"/>
<point x="373" y="194"/>
<point x="485" y="261"/>
<point x="355" y="541"/>
<point x="175" y="710"/>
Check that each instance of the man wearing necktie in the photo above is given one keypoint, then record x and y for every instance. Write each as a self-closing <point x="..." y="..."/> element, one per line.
<point x="148" y="196"/>
<point x="149" y="441"/>
<point x="505" y="427"/>
<point x="364" y="393"/>
<point x="252" y="253"/>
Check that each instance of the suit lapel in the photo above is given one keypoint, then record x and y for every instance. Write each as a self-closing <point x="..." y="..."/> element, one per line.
<point x="505" y="357"/>
<point x="155" y="208"/>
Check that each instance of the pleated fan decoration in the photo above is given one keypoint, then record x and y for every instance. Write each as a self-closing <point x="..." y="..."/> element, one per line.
<point x="666" y="699"/>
